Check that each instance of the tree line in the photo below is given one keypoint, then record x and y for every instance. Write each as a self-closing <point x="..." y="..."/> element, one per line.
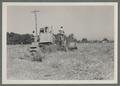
<point x="15" y="38"/>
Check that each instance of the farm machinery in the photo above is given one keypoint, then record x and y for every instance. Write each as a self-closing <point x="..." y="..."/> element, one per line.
<point x="46" y="41"/>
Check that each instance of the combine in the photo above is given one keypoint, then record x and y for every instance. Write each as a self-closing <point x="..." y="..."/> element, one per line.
<point x="42" y="43"/>
<point x="46" y="42"/>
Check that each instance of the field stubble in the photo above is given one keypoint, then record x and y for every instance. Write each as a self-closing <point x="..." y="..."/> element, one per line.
<point x="88" y="62"/>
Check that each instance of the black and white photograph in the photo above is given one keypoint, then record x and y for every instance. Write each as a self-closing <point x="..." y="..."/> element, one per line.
<point x="59" y="43"/>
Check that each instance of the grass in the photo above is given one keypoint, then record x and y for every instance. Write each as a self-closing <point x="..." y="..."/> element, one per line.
<point x="90" y="62"/>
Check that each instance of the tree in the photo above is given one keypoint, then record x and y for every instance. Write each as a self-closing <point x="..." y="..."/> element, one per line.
<point x="14" y="38"/>
<point x="84" y="40"/>
<point x="105" y="40"/>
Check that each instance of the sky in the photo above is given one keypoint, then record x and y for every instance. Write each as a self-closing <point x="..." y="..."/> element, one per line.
<point x="91" y="22"/>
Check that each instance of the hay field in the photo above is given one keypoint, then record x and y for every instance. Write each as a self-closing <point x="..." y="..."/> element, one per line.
<point x="90" y="62"/>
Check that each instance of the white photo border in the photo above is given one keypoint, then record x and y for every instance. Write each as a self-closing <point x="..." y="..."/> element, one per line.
<point x="4" y="47"/>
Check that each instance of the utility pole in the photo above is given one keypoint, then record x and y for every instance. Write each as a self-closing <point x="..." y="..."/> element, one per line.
<point x="35" y="14"/>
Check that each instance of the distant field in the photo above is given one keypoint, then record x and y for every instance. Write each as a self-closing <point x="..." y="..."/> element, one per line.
<point x="90" y="62"/>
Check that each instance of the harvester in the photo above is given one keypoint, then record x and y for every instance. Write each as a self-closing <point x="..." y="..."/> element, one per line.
<point x="43" y="43"/>
<point x="46" y="42"/>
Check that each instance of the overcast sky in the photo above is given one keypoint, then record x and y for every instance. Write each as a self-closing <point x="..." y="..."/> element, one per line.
<point x="92" y="22"/>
